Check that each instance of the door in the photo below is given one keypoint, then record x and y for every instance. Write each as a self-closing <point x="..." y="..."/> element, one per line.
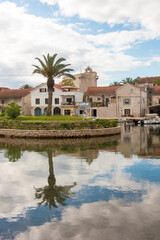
<point x="57" y="111"/>
<point x="37" y="112"/>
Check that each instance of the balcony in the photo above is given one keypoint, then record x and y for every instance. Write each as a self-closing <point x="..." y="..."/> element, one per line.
<point x="68" y="103"/>
<point x="97" y="104"/>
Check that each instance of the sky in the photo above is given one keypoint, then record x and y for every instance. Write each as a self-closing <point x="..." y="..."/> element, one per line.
<point x="116" y="38"/>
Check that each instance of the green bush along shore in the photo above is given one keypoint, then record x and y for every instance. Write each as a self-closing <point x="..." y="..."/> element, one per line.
<point x="57" y="125"/>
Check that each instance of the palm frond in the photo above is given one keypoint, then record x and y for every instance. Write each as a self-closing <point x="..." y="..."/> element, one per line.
<point x="41" y="62"/>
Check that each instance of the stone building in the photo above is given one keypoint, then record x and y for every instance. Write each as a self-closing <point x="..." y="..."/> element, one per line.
<point x="131" y="101"/>
<point x="117" y="101"/>
<point x="84" y="80"/>
<point x="153" y="93"/>
<point x="19" y="96"/>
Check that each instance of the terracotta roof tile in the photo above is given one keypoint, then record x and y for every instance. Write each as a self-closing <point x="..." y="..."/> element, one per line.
<point x="58" y="86"/>
<point x="14" y="93"/>
<point x="156" y="90"/>
<point x="4" y="88"/>
<point x="97" y="91"/>
<point x="147" y="80"/>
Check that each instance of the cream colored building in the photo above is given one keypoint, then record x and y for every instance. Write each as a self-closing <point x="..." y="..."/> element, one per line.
<point x="117" y="101"/>
<point x="131" y="101"/>
<point x="19" y="96"/>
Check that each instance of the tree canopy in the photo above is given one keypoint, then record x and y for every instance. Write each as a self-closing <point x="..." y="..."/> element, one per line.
<point x="67" y="82"/>
<point x="157" y="81"/>
<point x="25" y="86"/>
<point x="51" y="68"/>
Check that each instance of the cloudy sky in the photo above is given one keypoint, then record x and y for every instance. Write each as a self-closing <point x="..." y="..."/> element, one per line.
<point x="117" y="38"/>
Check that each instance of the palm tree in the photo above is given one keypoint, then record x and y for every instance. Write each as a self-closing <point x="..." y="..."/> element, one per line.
<point x="52" y="195"/>
<point x="115" y="84"/>
<point x="51" y="69"/>
<point x="25" y="86"/>
<point x="130" y="80"/>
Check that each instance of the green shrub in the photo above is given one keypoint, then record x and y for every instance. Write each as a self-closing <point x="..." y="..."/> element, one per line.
<point x="12" y="110"/>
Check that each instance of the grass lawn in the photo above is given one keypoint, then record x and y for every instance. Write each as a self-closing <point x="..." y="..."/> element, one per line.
<point x="46" y="118"/>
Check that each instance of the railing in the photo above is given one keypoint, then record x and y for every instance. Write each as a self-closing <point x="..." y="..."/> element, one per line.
<point x="67" y="103"/>
<point x="97" y="104"/>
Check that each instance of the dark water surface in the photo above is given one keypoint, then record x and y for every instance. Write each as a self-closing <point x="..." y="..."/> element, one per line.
<point x="80" y="189"/>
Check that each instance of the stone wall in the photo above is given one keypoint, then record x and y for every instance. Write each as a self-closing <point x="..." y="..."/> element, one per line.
<point x="51" y="134"/>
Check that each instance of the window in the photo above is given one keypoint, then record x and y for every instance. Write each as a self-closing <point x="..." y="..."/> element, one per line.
<point x="43" y="90"/>
<point x="56" y="100"/>
<point x="127" y="139"/>
<point x="53" y="89"/>
<point x="159" y="100"/>
<point x="67" y="112"/>
<point x="3" y="101"/>
<point x="90" y="99"/>
<point x="127" y="101"/>
<point x="46" y="100"/>
<point x="127" y="111"/>
<point x="37" y="100"/>
<point x="131" y="90"/>
<point x="69" y="100"/>
<point x="98" y="98"/>
<point x="107" y="101"/>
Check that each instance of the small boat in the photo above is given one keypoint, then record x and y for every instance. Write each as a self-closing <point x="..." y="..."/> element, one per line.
<point x="149" y="121"/>
<point x="152" y="121"/>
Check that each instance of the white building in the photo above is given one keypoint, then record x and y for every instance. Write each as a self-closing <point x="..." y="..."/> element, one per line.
<point x="64" y="99"/>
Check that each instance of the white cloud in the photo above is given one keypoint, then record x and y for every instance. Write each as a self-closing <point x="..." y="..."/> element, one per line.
<point x="144" y="12"/>
<point x="116" y="219"/>
<point x="24" y="37"/>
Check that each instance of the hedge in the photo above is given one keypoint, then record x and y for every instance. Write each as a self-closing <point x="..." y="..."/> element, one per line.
<point x="91" y="124"/>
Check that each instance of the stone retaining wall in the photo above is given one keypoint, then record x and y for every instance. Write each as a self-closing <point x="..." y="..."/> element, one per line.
<point x="50" y="134"/>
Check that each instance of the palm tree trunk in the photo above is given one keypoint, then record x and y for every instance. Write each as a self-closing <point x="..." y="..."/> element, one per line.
<point x="50" y="84"/>
<point x="51" y="178"/>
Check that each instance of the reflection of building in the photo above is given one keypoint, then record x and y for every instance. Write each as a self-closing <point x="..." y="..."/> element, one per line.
<point x="64" y="100"/>
<point x="19" y="96"/>
<point x="143" y="141"/>
<point x="117" y="101"/>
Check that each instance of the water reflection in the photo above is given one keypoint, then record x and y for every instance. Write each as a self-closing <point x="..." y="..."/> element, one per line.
<point x="117" y="190"/>
<point x="142" y="141"/>
<point x="13" y="153"/>
<point x="52" y="195"/>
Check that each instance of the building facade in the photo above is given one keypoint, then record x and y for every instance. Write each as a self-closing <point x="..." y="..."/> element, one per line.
<point x="84" y="80"/>
<point x="20" y="96"/>
<point x="63" y="103"/>
<point x="117" y="101"/>
<point x="153" y="93"/>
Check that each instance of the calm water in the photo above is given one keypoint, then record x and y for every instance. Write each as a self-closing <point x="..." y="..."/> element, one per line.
<point x="104" y="188"/>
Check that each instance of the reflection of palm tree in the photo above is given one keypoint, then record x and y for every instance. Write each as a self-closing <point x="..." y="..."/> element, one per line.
<point x="13" y="153"/>
<point x="52" y="194"/>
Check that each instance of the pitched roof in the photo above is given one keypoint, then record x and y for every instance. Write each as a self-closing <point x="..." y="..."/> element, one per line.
<point x="97" y="91"/>
<point x="156" y="90"/>
<point x="14" y="93"/>
<point x="4" y="88"/>
<point x="147" y="80"/>
<point x="58" y="86"/>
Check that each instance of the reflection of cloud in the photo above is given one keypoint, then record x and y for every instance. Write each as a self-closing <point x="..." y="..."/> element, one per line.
<point x="17" y="181"/>
<point x="115" y="219"/>
<point x="107" y="163"/>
